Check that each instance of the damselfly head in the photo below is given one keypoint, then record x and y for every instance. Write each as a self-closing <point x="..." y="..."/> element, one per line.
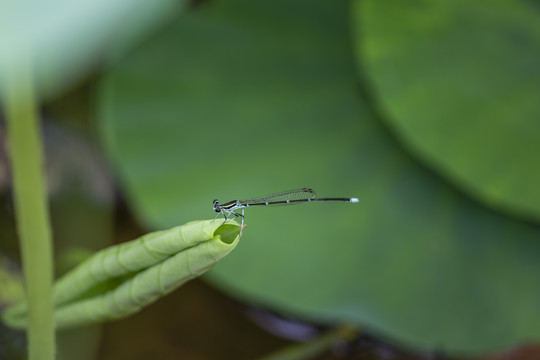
<point x="217" y="208"/>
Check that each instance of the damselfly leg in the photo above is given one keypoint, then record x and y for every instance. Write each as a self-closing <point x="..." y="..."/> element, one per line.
<point x="227" y="213"/>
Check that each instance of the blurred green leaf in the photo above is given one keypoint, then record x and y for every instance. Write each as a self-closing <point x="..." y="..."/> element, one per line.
<point x="11" y="284"/>
<point x="459" y="81"/>
<point x="63" y="40"/>
<point x="239" y="99"/>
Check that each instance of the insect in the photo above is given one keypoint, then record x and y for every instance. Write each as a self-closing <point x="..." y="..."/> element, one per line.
<point x="229" y="209"/>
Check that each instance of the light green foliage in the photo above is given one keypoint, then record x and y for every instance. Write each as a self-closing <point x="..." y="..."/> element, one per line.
<point x="144" y="269"/>
<point x="73" y="36"/>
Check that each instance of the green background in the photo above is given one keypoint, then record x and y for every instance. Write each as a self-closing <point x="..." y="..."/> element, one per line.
<point x="239" y="98"/>
<point x="459" y="82"/>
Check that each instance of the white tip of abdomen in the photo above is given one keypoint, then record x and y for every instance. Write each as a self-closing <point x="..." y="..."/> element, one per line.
<point x="354" y="200"/>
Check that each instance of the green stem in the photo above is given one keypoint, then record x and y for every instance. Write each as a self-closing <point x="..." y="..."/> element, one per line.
<point x="315" y="347"/>
<point x="31" y="209"/>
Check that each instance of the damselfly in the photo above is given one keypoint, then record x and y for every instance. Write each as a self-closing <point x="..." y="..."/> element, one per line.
<point x="229" y="209"/>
